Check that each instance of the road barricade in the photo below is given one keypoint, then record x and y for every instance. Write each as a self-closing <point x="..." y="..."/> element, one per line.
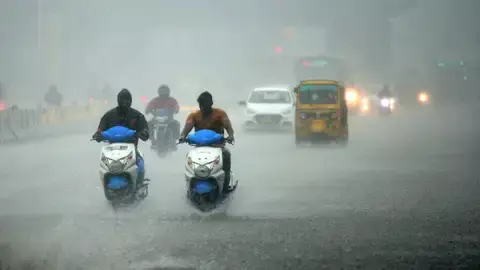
<point x="19" y="124"/>
<point x="16" y="124"/>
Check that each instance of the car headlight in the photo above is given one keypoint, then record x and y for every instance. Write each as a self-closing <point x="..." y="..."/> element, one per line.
<point x="287" y="111"/>
<point x="249" y="111"/>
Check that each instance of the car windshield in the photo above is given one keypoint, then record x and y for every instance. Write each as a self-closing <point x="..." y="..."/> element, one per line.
<point x="270" y="96"/>
<point x="318" y="94"/>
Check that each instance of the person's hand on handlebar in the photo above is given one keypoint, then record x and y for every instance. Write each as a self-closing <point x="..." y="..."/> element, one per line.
<point x="182" y="139"/>
<point x="97" y="137"/>
<point x="143" y="135"/>
<point x="230" y="139"/>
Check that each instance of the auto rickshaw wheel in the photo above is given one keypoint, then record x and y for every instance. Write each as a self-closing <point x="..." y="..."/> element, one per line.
<point x="343" y="141"/>
<point x="298" y="141"/>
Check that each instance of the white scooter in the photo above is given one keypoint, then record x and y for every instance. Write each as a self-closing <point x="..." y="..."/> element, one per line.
<point x="119" y="169"/>
<point x="204" y="174"/>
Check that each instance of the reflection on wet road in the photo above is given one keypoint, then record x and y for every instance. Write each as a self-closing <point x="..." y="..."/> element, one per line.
<point x="404" y="192"/>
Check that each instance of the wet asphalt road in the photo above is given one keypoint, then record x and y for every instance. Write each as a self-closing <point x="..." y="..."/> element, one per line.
<point x="403" y="194"/>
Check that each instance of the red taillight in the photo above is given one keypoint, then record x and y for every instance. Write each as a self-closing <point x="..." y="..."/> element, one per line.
<point x="2" y="106"/>
<point x="105" y="102"/>
<point x="144" y="98"/>
<point x="92" y="100"/>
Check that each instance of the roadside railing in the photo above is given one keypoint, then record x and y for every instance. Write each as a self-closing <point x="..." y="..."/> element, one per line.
<point x="19" y="123"/>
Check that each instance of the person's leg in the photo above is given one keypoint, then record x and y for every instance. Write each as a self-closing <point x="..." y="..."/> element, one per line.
<point x="141" y="168"/>
<point x="150" y="129"/>
<point x="175" y="129"/>
<point x="227" y="164"/>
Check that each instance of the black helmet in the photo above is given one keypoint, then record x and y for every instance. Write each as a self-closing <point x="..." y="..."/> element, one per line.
<point x="124" y="99"/>
<point x="163" y="90"/>
<point x="53" y="88"/>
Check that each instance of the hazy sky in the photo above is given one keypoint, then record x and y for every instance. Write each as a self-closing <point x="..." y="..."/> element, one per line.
<point x="126" y="43"/>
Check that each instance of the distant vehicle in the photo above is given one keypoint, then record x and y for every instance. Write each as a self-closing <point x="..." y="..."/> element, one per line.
<point x="269" y="107"/>
<point x="321" y="112"/>
<point x="162" y="133"/>
<point x="323" y="68"/>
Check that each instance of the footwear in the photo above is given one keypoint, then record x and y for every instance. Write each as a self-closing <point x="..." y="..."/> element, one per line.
<point x="141" y="178"/>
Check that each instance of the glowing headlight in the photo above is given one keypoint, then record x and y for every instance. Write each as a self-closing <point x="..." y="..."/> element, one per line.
<point x="351" y="95"/>
<point x="423" y="97"/>
<point x="385" y="102"/>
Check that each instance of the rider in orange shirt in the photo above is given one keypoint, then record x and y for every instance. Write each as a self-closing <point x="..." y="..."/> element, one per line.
<point x="214" y="119"/>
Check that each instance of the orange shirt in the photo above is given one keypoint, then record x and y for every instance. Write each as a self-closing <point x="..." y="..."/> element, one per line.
<point x="215" y="122"/>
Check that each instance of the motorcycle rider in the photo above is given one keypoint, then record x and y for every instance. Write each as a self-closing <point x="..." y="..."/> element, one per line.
<point x="385" y="92"/>
<point x="165" y="101"/>
<point x="124" y="115"/>
<point x="214" y="119"/>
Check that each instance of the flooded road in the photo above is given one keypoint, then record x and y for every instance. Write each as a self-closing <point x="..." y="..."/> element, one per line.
<point x="403" y="193"/>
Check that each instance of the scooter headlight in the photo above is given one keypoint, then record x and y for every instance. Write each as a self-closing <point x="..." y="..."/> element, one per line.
<point x="127" y="160"/>
<point x="202" y="171"/>
<point x="385" y="102"/>
<point x="117" y="166"/>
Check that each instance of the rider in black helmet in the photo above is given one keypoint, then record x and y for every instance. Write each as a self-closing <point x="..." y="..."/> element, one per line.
<point x="385" y="92"/>
<point x="125" y="115"/>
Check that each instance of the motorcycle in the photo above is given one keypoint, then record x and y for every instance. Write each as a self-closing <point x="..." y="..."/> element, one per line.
<point x="163" y="137"/>
<point x="204" y="172"/>
<point x="387" y="105"/>
<point x="119" y="168"/>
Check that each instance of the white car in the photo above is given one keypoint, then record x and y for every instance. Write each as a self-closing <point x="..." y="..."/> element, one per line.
<point x="270" y="107"/>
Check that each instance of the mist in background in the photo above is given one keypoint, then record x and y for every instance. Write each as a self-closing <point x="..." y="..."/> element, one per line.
<point x="225" y="47"/>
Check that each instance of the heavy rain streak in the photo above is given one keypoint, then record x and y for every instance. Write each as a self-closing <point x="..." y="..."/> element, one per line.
<point x="355" y="127"/>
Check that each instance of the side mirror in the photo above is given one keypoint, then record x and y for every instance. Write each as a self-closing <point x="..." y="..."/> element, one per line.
<point x="242" y="103"/>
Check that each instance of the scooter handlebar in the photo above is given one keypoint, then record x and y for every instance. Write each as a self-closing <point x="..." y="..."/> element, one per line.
<point x="186" y="140"/>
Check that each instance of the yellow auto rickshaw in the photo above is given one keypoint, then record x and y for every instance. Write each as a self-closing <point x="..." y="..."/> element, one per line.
<point x="321" y="112"/>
